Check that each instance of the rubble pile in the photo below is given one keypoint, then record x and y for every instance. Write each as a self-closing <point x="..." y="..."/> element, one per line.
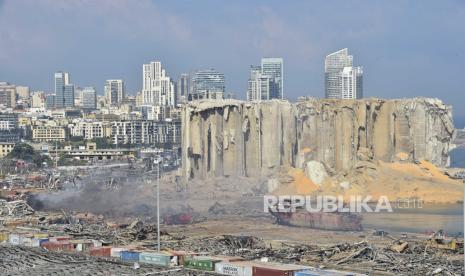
<point x="410" y="258"/>
<point x="17" y="208"/>
<point x="397" y="257"/>
<point x="18" y="261"/>
<point x="109" y="234"/>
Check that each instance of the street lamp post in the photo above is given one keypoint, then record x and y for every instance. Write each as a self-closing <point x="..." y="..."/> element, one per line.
<point x="158" y="205"/>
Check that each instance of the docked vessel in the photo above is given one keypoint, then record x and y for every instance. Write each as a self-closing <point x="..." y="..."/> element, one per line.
<point x="320" y="220"/>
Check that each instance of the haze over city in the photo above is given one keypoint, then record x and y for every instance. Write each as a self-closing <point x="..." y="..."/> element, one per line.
<point x="407" y="48"/>
<point x="240" y="137"/>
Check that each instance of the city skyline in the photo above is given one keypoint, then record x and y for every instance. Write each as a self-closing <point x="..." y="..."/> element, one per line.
<point x="371" y="37"/>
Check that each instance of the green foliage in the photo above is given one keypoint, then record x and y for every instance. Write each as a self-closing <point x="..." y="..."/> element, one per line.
<point x="65" y="160"/>
<point x="77" y="139"/>
<point x="26" y="152"/>
<point x="103" y="143"/>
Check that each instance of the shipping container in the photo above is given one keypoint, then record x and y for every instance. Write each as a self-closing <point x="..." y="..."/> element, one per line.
<point x="130" y="256"/>
<point x="82" y="245"/>
<point x="60" y="238"/>
<point x="271" y="271"/>
<point x="26" y="241"/>
<point x="58" y="246"/>
<point x="325" y="272"/>
<point x="104" y="251"/>
<point x="276" y="269"/>
<point x="96" y="243"/>
<point x="30" y="242"/>
<point x="205" y="263"/>
<point x="15" y="239"/>
<point x="41" y="241"/>
<point x="41" y="235"/>
<point x="156" y="258"/>
<point x="234" y="268"/>
<point x="116" y="251"/>
<point x="4" y="237"/>
<point x="181" y="255"/>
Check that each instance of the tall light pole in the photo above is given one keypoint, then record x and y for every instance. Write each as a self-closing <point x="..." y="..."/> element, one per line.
<point x="158" y="205"/>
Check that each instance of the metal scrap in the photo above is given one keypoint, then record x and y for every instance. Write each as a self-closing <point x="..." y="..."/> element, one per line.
<point x="17" y="208"/>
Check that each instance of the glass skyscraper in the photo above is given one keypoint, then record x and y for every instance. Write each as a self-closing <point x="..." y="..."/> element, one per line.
<point x="182" y="88"/>
<point x="64" y="91"/>
<point x="342" y="80"/>
<point x="89" y="98"/>
<point x="273" y="67"/>
<point x="208" y="84"/>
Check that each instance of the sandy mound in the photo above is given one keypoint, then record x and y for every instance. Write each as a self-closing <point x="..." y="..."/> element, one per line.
<point x="399" y="180"/>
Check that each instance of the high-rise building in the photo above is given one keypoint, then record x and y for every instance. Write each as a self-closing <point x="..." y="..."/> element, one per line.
<point x="260" y="86"/>
<point x="50" y="101"/>
<point x="7" y="95"/>
<point x="38" y="99"/>
<point x="352" y="83"/>
<point x="9" y="128"/>
<point x="157" y="87"/>
<point x="273" y="67"/>
<point x="89" y="98"/>
<point x="182" y="88"/>
<point x="23" y="92"/>
<point x="8" y="121"/>
<point x="77" y="96"/>
<point x="114" y="91"/>
<point x="342" y="80"/>
<point x="64" y="91"/>
<point x="208" y="84"/>
<point x="69" y="95"/>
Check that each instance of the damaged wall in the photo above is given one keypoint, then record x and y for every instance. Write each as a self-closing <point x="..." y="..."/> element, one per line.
<point x="236" y="138"/>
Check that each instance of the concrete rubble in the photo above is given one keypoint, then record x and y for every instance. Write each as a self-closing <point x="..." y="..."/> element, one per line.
<point x="14" y="208"/>
<point x="253" y="139"/>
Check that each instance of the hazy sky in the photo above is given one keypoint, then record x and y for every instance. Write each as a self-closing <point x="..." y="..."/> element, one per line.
<point x="407" y="48"/>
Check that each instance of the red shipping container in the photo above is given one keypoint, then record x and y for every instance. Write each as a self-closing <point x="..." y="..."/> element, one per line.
<point x="271" y="271"/>
<point x="58" y="246"/>
<point x="104" y="251"/>
<point x="60" y="238"/>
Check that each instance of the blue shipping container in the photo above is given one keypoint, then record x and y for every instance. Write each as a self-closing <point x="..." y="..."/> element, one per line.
<point x="130" y="256"/>
<point x="41" y="241"/>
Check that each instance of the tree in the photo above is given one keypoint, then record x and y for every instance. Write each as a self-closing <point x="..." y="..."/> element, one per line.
<point x="27" y="153"/>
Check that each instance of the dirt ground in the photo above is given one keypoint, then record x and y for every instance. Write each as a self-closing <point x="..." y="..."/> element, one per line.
<point x="273" y="233"/>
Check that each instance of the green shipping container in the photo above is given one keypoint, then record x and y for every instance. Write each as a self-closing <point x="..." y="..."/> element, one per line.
<point x="154" y="258"/>
<point x="200" y="264"/>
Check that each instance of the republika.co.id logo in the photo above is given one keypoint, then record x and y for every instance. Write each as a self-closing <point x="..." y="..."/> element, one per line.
<point x="354" y="204"/>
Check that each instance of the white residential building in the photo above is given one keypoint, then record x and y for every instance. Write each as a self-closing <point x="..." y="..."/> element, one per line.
<point x="38" y="99"/>
<point x="7" y="95"/>
<point x="157" y="87"/>
<point x="90" y="130"/>
<point x="23" y="92"/>
<point x="352" y="83"/>
<point x="114" y="91"/>
<point x="260" y="86"/>
<point x="48" y="133"/>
